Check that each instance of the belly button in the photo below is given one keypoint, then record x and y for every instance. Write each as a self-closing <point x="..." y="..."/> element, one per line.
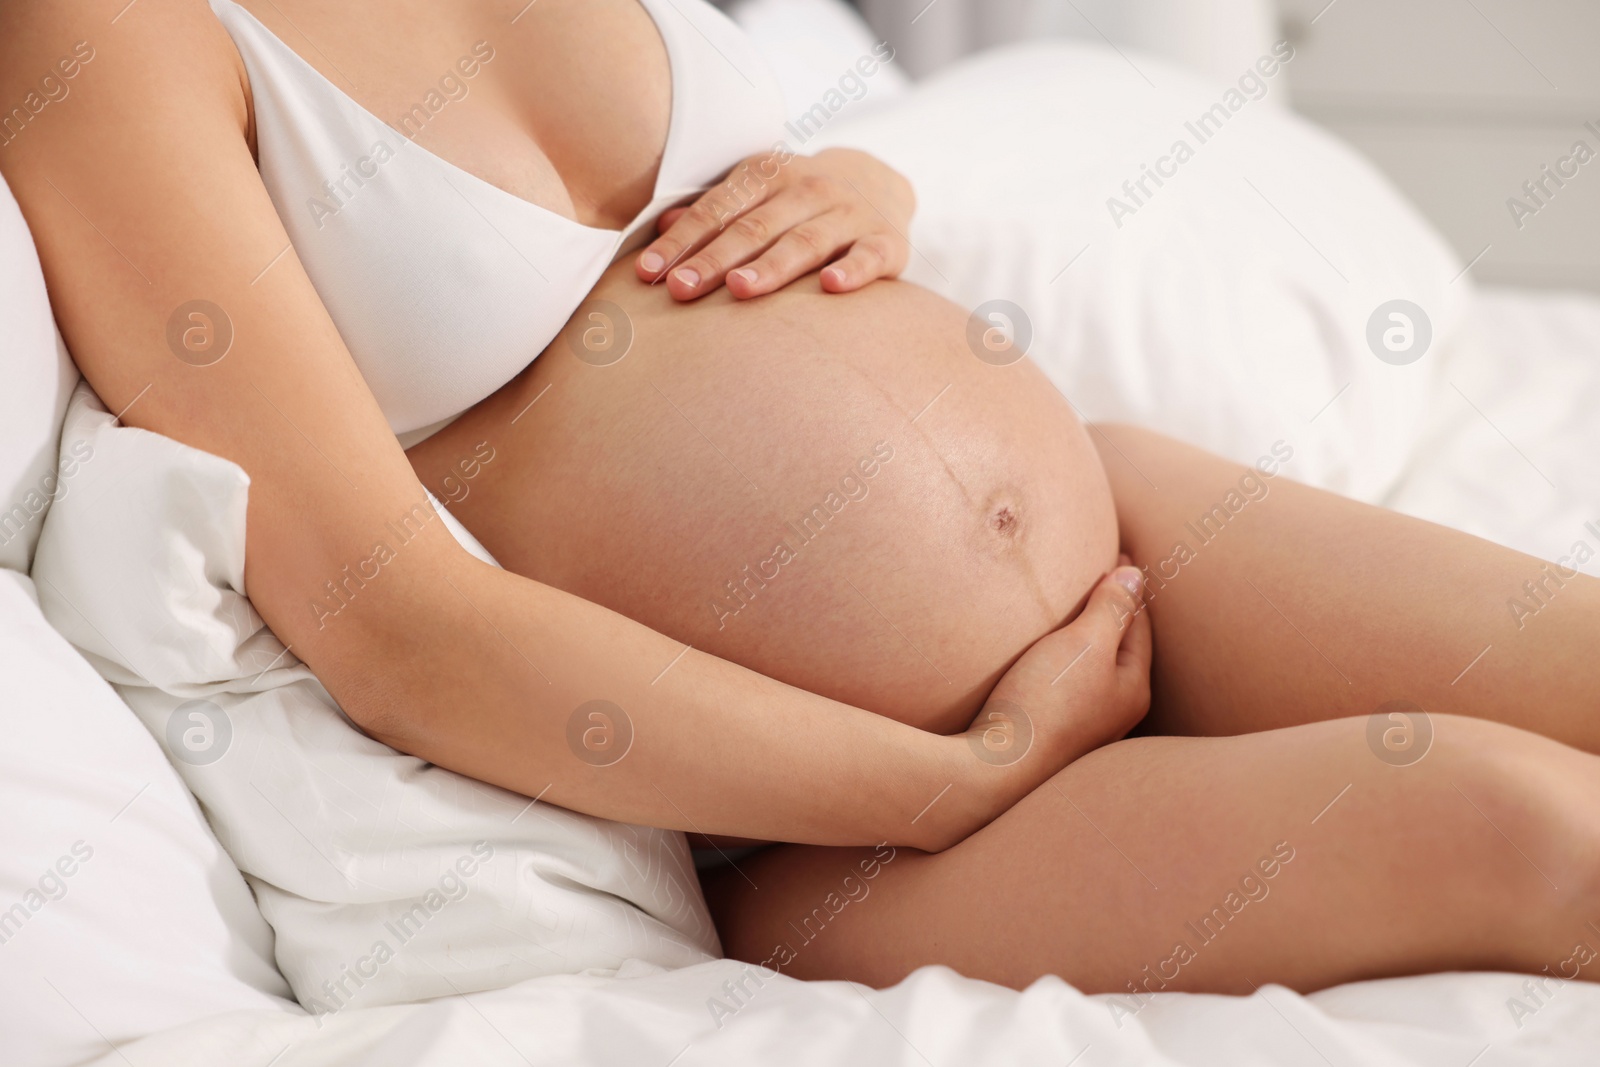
<point x="1004" y="524"/>
<point x="1002" y="514"/>
<point x="1003" y="521"/>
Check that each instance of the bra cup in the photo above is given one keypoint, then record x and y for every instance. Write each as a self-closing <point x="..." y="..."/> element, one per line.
<point x="442" y="285"/>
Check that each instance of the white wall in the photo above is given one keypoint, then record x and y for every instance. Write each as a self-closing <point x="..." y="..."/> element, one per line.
<point x="1220" y="37"/>
<point x="1459" y="101"/>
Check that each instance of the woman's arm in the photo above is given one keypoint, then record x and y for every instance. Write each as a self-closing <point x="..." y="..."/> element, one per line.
<point x="141" y="192"/>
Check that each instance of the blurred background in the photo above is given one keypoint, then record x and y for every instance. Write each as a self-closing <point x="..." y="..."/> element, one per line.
<point x="1460" y="102"/>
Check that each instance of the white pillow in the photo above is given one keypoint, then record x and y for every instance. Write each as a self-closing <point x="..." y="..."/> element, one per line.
<point x="1231" y="307"/>
<point x="385" y="878"/>
<point x="119" y="913"/>
<point x="38" y="379"/>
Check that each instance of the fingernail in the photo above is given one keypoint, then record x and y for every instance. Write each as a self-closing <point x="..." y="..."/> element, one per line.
<point x="833" y="274"/>
<point x="688" y="277"/>
<point x="744" y="273"/>
<point x="652" y="262"/>
<point x="1129" y="578"/>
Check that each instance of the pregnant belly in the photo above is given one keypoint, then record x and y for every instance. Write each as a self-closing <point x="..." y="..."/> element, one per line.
<point x="832" y="490"/>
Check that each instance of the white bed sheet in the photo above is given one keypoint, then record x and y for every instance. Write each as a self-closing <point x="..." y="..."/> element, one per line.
<point x="934" y="1017"/>
<point x="1515" y="407"/>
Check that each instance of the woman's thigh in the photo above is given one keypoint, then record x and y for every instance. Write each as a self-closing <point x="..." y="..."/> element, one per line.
<point x="1274" y="604"/>
<point x="1296" y="856"/>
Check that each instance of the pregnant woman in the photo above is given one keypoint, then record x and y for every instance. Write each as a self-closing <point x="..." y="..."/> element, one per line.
<point x="841" y="583"/>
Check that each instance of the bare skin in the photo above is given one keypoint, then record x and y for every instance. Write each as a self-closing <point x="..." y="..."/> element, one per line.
<point x="472" y="667"/>
<point x="1339" y="608"/>
<point x="479" y="669"/>
<point x="1480" y="854"/>
<point x="1098" y="875"/>
<point x="682" y="466"/>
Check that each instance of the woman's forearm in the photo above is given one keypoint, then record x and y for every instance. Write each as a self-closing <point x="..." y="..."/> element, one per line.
<point x="499" y="678"/>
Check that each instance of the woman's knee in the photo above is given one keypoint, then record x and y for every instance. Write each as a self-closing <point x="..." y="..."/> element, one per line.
<point x="1533" y="807"/>
<point x="1504" y="811"/>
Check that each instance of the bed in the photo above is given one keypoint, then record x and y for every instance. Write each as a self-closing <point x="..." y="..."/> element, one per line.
<point x="152" y="912"/>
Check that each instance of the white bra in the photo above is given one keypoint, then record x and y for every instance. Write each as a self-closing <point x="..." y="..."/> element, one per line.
<point x="443" y="286"/>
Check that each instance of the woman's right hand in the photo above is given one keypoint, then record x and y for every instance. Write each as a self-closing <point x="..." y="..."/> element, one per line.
<point x="1077" y="688"/>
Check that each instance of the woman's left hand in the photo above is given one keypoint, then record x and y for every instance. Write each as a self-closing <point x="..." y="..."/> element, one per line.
<point x="780" y="216"/>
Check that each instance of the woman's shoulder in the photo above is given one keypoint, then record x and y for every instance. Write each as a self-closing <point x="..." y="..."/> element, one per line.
<point x="68" y="68"/>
